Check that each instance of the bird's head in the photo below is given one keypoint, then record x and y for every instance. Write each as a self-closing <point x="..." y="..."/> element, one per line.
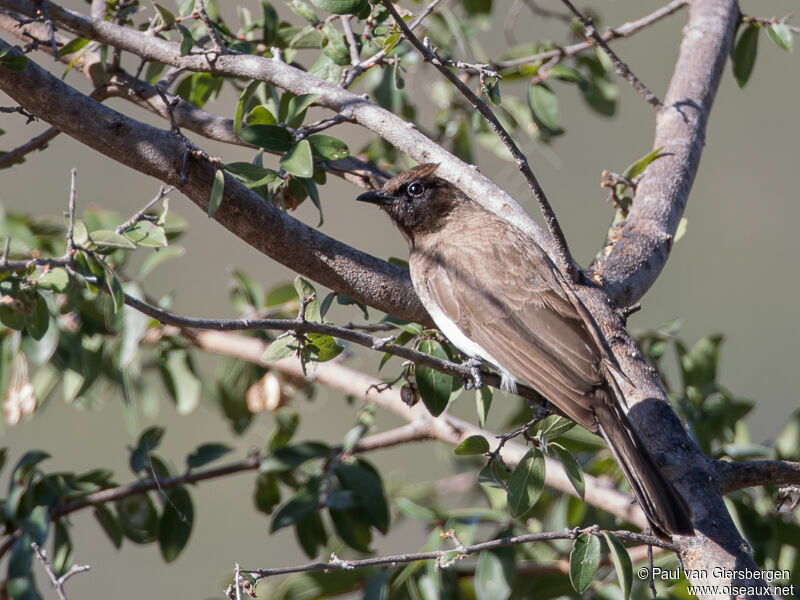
<point x="416" y="200"/>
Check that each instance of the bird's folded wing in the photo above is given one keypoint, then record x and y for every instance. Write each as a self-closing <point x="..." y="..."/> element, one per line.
<point x="520" y="315"/>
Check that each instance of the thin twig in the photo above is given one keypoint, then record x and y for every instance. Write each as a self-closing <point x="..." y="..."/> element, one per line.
<point x="462" y="551"/>
<point x="566" y="262"/>
<point x="162" y="192"/>
<point x="216" y="40"/>
<point x="318" y="126"/>
<point x="302" y="326"/>
<point x="622" y="68"/>
<point x="622" y="31"/>
<point x="38" y="142"/>
<point x="51" y="29"/>
<point x="73" y="195"/>
<point x="772" y="21"/>
<point x="57" y="582"/>
<point x="355" y="59"/>
<point x="370" y="62"/>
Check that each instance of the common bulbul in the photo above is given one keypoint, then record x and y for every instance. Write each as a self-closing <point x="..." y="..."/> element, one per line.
<point x="499" y="298"/>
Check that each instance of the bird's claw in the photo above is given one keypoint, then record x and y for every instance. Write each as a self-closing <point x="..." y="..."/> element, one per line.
<point x="475" y="380"/>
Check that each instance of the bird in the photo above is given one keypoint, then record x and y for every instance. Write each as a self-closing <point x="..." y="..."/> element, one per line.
<point x="500" y="299"/>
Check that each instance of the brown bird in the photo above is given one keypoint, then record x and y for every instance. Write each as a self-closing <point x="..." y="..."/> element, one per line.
<point x="499" y="298"/>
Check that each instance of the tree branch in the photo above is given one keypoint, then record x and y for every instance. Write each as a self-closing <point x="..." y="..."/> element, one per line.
<point x="622" y="31"/>
<point x="732" y="476"/>
<point x="353" y="107"/>
<point x="447" y="557"/>
<point x="632" y="263"/>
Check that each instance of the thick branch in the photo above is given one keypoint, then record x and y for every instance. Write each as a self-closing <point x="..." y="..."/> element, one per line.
<point x="160" y="154"/>
<point x="632" y="264"/>
<point x="732" y="476"/>
<point x="401" y="134"/>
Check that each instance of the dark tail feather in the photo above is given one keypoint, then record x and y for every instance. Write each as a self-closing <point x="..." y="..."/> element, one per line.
<point x="665" y="509"/>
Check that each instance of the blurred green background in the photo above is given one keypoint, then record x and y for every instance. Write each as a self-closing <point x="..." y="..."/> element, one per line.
<point x="734" y="272"/>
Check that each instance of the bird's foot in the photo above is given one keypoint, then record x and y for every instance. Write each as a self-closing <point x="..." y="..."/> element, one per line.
<point x="475" y="380"/>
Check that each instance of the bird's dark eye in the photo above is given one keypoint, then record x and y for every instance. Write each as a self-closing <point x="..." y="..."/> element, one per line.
<point x="415" y="189"/>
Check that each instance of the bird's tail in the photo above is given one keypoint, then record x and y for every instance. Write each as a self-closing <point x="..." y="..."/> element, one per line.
<point x="665" y="508"/>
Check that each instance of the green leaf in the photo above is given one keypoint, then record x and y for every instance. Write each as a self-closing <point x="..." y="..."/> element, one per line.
<point x="114" y="288"/>
<point x="62" y="549"/>
<point x="187" y="41"/>
<point x="242" y="104"/>
<point x="149" y="440"/>
<point x="288" y="458"/>
<point x="14" y="63"/>
<point x="156" y="258"/>
<point x="26" y="463"/>
<point x="280" y="348"/>
<point x="147" y="234"/>
<point x="361" y="478"/>
<point x="571" y="467"/>
<point x="341" y="7"/>
<point x="483" y="402"/>
<point x="494" y="475"/>
<point x="299" y="506"/>
<point x="271" y="23"/>
<point x="781" y="35"/>
<point x="106" y="240"/>
<point x="167" y="18"/>
<point x="490" y="578"/>
<point x="322" y="347"/>
<point x="138" y="518"/>
<point x="744" y="54"/>
<point x="351" y="526"/>
<point x="699" y="365"/>
<point x="267" y="494"/>
<point x="311" y="534"/>
<point x="217" y="191"/>
<point x="37" y="524"/>
<point x="38" y="321"/>
<point x="554" y="426"/>
<point x="251" y="175"/>
<point x="434" y="387"/>
<point x="56" y="280"/>
<point x="296" y="108"/>
<point x="680" y="231"/>
<point x="175" y="525"/>
<point x="583" y="561"/>
<point x="622" y="563"/>
<point x="182" y="383"/>
<point x="526" y="484"/>
<point x="313" y="193"/>
<point x="565" y="73"/>
<point x="328" y="147"/>
<point x="307" y="291"/>
<point x="109" y="523"/>
<point x="474" y="444"/>
<point x="206" y="453"/>
<point x="73" y="45"/>
<point x="544" y="105"/>
<point x="638" y="167"/>
<point x="269" y="137"/>
<point x="298" y="160"/>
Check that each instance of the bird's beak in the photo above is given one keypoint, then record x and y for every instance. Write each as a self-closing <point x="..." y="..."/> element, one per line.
<point x="378" y="197"/>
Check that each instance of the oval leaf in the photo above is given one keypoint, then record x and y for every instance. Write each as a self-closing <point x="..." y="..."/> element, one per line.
<point x="205" y="454"/>
<point x="217" y="190"/>
<point x="175" y="525"/>
<point x="298" y="160"/>
<point x="474" y="444"/>
<point x="571" y="467"/>
<point x="744" y="54"/>
<point x="526" y="483"/>
<point x="269" y="137"/>
<point x="781" y="35"/>
<point x="583" y="561"/>
<point x="434" y="387"/>
<point x="106" y="239"/>
<point x="622" y="563"/>
<point x="544" y="104"/>
<point x="328" y="147"/>
<point x="341" y="7"/>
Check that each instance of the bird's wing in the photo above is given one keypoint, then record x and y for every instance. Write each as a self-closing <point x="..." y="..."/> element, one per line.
<point x="519" y="314"/>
